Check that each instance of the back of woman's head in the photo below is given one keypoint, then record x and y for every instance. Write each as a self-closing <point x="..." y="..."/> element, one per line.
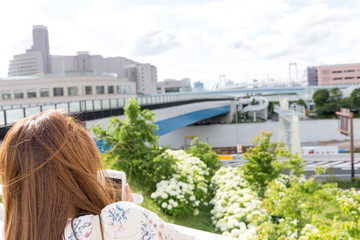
<point x="49" y="174"/>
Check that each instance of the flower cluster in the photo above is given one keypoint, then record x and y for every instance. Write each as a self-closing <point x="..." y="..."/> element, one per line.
<point x="187" y="188"/>
<point x="349" y="201"/>
<point x="191" y="170"/>
<point x="174" y="197"/>
<point x="237" y="209"/>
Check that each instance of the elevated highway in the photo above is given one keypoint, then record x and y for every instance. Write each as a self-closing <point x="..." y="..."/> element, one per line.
<point x="171" y="112"/>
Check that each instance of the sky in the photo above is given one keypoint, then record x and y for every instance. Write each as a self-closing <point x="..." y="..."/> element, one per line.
<point x="199" y="39"/>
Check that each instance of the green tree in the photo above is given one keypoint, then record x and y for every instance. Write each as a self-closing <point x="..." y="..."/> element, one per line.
<point x="302" y="102"/>
<point x="336" y="96"/>
<point x="263" y="163"/>
<point x="133" y="141"/>
<point x="355" y="96"/>
<point x="320" y="97"/>
<point x="205" y="153"/>
<point x="346" y="103"/>
<point x="327" y="102"/>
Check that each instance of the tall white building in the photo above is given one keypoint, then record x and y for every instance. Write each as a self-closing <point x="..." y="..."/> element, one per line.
<point x="37" y="59"/>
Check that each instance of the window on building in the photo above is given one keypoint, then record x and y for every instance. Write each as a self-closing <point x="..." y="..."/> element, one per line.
<point x="31" y="93"/>
<point x="336" y="72"/>
<point x="129" y="89"/>
<point x="19" y="94"/>
<point x="111" y="89"/>
<point x="5" y="95"/>
<point x="339" y="78"/>
<point x="349" y="78"/>
<point x="44" y="92"/>
<point x="100" y="90"/>
<point x="58" y="92"/>
<point x="73" y="91"/>
<point x="352" y="70"/>
<point x="87" y="90"/>
<point x="123" y="89"/>
<point x="325" y="72"/>
<point x="118" y="89"/>
<point x="358" y="77"/>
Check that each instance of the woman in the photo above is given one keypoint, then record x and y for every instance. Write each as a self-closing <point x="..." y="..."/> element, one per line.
<point x="51" y="190"/>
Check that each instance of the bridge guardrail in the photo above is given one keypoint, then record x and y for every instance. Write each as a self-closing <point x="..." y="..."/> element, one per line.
<point x="11" y="114"/>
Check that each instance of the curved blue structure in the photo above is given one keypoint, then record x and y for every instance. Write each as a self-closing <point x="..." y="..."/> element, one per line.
<point x="180" y="121"/>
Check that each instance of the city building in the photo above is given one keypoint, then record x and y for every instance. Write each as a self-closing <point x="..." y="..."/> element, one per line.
<point x="172" y="85"/>
<point x="144" y="75"/>
<point x="312" y="76"/>
<point x="38" y="61"/>
<point x="340" y="74"/>
<point x="39" y="89"/>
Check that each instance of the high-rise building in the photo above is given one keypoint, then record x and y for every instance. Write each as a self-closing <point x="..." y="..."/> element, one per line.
<point x="37" y="59"/>
<point x="41" y="44"/>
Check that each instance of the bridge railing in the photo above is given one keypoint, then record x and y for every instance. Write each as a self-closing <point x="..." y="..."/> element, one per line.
<point x="13" y="113"/>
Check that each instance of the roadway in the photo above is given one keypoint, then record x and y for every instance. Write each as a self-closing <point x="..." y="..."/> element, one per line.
<point x="338" y="165"/>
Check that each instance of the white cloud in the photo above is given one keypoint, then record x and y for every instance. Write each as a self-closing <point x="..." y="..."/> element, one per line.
<point x="241" y="39"/>
<point x="157" y="42"/>
<point x="234" y="13"/>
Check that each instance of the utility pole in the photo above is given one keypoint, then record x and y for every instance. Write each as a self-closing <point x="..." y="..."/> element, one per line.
<point x="346" y="121"/>
<point x="290" y="80"/>
<point x="236" y="125"/>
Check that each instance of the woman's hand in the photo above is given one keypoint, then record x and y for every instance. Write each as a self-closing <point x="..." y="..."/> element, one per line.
<point x="128" y="195"/>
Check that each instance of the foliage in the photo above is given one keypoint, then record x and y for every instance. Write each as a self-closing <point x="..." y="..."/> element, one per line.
<point x="294" y="203"/>
<point x="133" y="142"/>
<point x="236" y="208"/>
<point x="321" y="97"/>
<point x="175" y="197"/>
<point x="355" y="96"/>
<point x="187" y="188"/>
<point x="201" y="221"/>
<point x="204" y="152"/>
<point x="350" y="203"/>
<point x="254" y="102"/>
<point x="346" y="103"/>
<point x="264" y="165"/>
<point x="344" y="183"/>
<point x="336" y="96"/>
<point x="302" y="102"/>
<point x="237" y="117"/>
<point x="327" y="102"/>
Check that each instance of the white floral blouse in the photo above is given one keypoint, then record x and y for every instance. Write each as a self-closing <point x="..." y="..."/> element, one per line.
<point x="123" y="220"/>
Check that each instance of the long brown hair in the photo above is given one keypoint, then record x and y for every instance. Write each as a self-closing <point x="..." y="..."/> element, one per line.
<point x="49" y="169"/>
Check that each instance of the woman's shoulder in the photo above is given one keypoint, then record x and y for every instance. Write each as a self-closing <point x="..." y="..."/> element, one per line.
<point x="130" y="221"/>
<point x="123" y="220"/>
<point x="114" y="215"/>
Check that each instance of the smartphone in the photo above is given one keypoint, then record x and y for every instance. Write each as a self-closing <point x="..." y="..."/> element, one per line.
<point x="119" y="178"/>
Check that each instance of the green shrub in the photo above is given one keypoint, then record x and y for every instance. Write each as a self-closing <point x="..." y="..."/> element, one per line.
<point x="204" y="152"/>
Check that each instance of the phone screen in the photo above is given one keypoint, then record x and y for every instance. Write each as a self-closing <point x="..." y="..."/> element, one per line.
<point x="117" y="186"/>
